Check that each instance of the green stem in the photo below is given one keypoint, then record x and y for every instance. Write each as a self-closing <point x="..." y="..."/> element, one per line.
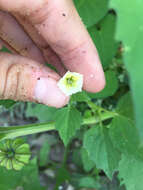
<point x="94" y="120"/>
<point x="17" y="131"/>
<point x="65" y="155"/>
<point x="94" y="107"/>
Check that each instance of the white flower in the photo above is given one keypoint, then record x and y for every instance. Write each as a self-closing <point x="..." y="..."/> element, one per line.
<point x="71" y="83"/>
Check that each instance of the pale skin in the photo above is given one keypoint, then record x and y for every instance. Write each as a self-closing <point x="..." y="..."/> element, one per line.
<point x="40" y="31"/>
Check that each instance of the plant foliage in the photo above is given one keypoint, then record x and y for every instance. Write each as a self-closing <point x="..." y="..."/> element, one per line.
<point x="102" y="133"/>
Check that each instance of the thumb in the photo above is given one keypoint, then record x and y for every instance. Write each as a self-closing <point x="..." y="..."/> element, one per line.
<point x="26" y="80"/>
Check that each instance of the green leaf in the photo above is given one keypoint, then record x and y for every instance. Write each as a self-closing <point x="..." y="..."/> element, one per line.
<point x="91" y="11"/>
<point x="110" y="88"/>
<point x="80" y="97"/>
<point x="100" y="149"/>
<point x="27" y="178"/>
<point x="4" y="49"/>
<point x="76" y="156"/>
<point x="131" y="172"/>
<point x="130" y="32"/>
<point x="124" y="135"/>
<point x="103" y="37"/>
<point x="88" y="182"/>
<point x="61" y="178"/>
<point x="68" y="121"/>
<point x="42" y="112"/>
<point x="44" y="152"/>
<point x="7" y="103"/>
<point x="125" y="106"/>
<point x="87" y="163"/>
<point x="51" y="67"/>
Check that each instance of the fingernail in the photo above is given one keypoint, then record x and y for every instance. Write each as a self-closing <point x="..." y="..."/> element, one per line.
<point x="47" y="92"/>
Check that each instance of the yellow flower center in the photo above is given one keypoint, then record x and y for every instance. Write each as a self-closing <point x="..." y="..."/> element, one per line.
<point x="71" y="81"/>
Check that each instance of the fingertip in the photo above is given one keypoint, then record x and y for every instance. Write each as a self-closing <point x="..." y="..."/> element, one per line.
<point x="47" y="92"/>
<point x="26" y="80"/>
<point x="94" y="83"/>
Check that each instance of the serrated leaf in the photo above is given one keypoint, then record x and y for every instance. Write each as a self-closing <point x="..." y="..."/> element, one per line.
<point x="110" y="88"/>
<point x="42" y="112"/>
<point x="130" y="32"/>
<point x="100" y="149"/>
<point x="103" y="37"/>
<point x="124" y="135"/>
<point x="68" y="121"/>
<point x="26" y="178"/>
<point x="91" y="11"/>
<point x="87" y="163"/>
<point x="131" y="172"/>
<point x="125" y="106"/>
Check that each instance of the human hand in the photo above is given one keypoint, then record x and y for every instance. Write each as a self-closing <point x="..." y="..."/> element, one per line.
<point x="44" y="31"/>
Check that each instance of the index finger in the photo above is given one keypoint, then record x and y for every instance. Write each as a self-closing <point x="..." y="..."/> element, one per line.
<point x="60" y="25"/>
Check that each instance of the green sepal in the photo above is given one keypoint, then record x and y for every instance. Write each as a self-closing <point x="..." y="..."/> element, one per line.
<point x="23" y="158"/>
<point x="8" y="164"/>
<point x="17" y="165"/>
<point x="23" y="149"/>
<point x="14" y="154"/>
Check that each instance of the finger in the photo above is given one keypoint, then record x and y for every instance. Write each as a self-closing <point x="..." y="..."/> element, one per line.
<point x="23" y="6"/>
<point x="60" y="25"/>
<point x="29" y="28"/>
<point x="48" y="53"/>
<point x="16" y="39"/>
<point x="29" y="81"/>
